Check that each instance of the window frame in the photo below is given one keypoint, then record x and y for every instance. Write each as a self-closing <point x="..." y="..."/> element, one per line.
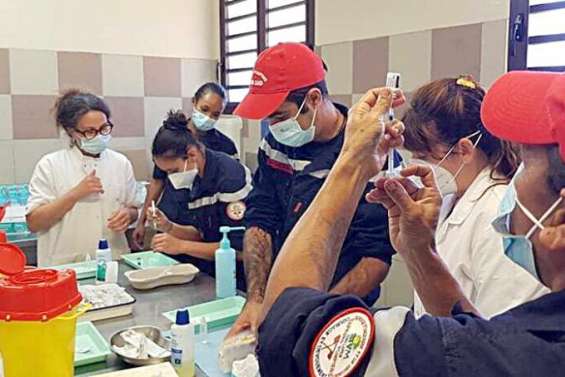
<point x="519" y="39"/>
<point x="262" y="31"/>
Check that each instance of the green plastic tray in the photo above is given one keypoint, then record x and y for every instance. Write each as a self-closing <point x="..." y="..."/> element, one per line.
<point x="148" y="259"/>
<point x="218" y="313"/>
<point x="84" y="270"/>
<point x="89" y="339"/>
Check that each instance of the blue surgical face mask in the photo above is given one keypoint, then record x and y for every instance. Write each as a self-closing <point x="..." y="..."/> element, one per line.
<point x="289" y="132"/>
<point x="519" y="248"/>
<point x="95" y="146"/>
<point x="202" y="121"/>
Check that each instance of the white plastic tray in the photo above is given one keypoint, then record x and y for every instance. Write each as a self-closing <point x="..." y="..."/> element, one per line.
<point x="158" y="276"/>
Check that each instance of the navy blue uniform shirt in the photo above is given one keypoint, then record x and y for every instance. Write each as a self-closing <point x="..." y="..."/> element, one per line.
<point x="286" y="182"/>
<point x="215" y="200"/>
<point x="527" y="341"/>
<point x="212" y="139"/>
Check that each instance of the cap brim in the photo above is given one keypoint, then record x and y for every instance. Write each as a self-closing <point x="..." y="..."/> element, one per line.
<point x="514" y="108"/>
<point x="259" y="106"/>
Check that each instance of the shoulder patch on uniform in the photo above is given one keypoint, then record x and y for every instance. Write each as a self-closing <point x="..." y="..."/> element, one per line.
<point x="340" y="347"/>
<point x="236" y="210"/>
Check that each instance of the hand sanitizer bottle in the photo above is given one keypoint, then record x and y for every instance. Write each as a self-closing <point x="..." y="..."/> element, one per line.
<point x="225" y="265"/>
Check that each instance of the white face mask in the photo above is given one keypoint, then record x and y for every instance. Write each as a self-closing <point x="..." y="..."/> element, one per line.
<point x="289" y="132"/>
<point x="184" y="179"/>
<point x="446" y="181"/>
<point x="94" y="146"/>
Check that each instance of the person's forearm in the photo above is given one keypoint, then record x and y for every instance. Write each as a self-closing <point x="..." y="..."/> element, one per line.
<point x="153" y="193"/>
<point x="363" y="278"/>
<point x="202" y="250"/>
<point x="185" y="232"/>
<point x="436" y="287"/>
<point x="309" y="255"/>
<point x="44" y="217"/>
<point x="257" y="258"/>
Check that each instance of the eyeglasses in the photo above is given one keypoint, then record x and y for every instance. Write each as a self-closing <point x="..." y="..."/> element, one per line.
<point x="105" y="130"/>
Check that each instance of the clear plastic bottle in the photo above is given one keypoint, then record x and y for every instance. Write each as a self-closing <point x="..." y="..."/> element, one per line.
<point x="182" y="345"/>
<point x="103" y="256"/>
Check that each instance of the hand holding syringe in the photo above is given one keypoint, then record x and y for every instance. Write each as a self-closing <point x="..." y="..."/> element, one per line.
<point x="393" y="82"/>
<point x="158" y="219"/>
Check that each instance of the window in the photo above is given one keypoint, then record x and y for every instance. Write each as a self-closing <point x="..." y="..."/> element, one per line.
<point x="248" y="27"/>
<point x="537" y="35"/>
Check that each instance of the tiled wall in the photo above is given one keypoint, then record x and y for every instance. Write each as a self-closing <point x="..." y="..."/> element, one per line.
<point x="476" y="49"/>
<point x="138" y="89"/>
<point x="355" y="66"/>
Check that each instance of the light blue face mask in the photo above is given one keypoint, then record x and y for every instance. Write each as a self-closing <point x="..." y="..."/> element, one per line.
<point x="289" y="132"/>
<point x="519" y="248"/>
<point x="95" y="146"/>
<point x="202" y="121"/>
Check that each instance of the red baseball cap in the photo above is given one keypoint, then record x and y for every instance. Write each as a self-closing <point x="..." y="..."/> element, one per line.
<point x="527" y="107"/>
<point x="278" y="71"/>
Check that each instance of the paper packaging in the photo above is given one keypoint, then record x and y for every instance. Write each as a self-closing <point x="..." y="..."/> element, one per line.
<point x="159" y="370"/>
<point x="138" y="346"/>
<point x="236" y="348"/>
<point x="248" y="367"/>
<point x="112" y="272"/>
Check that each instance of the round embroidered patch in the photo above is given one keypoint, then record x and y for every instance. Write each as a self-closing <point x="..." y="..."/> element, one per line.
<point x="342" y="344"/>
<point x="236" y="210"/>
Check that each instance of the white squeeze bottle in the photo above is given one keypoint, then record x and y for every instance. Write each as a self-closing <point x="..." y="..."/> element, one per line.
<point x="182" y="344"/>
<point x="103" y="256"/>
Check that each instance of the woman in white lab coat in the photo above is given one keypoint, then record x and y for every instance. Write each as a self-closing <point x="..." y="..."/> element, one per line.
<point x="85" y="192"/>
<point x="472" y="168"/>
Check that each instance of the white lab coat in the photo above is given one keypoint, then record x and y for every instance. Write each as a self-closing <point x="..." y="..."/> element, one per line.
<point x="473" y="252"/>
<point x="77" y="234"/>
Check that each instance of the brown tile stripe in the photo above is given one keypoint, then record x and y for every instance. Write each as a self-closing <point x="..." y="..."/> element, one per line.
<point x="32" y="117"/>
<point x="4" y="71"/>
<point x="138" y="159"/>
<point x="127" y="115"/>
<point x="162" y="77"/>
<point x="456" y="50"/>
<point x="370" y="63"/>
<point x="80" y="70"/>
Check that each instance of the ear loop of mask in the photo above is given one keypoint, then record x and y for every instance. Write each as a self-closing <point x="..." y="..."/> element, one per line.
<point x="300" y="110"/>
<point x="453" y="147"/>
<point x="537" y="223"/>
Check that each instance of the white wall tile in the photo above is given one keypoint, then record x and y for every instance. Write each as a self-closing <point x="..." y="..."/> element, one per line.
<point x="28" y="152"/>
<point x="122" y="76"/>
<point x="339" y="59"/>
<point x="411" y="55"/>
<point x="194" y="73"/>
<point x="33" y="72"/>
<point x="7" y="171"/>
<point x="6" y="127"/>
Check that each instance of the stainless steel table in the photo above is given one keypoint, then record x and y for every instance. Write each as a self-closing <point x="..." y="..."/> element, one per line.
<point x="148" y="311"/>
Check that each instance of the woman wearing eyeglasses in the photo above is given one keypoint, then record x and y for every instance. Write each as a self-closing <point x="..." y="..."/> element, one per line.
<point x="84" y="192"/>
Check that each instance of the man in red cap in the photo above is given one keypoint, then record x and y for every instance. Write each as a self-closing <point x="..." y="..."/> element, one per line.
<point x="308" y="332"/>
<point x="288" y="89"/>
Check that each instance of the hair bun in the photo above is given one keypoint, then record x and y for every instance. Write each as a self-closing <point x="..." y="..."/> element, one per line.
<point x="176" y="121"/>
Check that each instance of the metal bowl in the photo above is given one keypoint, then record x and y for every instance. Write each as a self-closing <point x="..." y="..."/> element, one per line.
<point x="150" y="332"/>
